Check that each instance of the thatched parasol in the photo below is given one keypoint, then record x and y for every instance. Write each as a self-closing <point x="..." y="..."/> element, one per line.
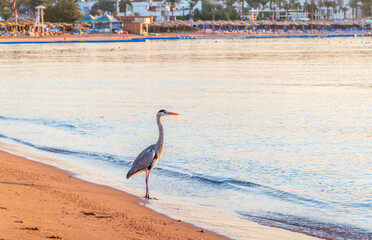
<point x="199" y="22"/>
<point x="155" y="24"/>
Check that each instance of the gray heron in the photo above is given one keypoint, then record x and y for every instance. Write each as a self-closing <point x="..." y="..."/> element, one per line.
<point x="148" y="158"/>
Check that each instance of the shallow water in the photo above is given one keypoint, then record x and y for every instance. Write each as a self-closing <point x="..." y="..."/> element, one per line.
<point x="275" y="131"/>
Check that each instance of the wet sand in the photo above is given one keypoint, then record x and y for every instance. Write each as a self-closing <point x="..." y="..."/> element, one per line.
<point x="38" y="201"/>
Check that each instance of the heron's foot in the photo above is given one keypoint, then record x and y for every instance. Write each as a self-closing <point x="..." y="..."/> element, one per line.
<point x="147" y="197"/>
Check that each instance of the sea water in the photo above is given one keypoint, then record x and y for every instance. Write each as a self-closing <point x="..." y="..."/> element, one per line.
<point x="275" y="131"/>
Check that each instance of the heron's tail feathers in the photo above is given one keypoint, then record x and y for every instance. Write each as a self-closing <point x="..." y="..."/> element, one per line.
<point x="132" y="172"/>
<point x="129" y="174"/>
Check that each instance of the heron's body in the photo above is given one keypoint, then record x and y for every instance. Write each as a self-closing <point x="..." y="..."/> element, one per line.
<point x="149" y="157"/>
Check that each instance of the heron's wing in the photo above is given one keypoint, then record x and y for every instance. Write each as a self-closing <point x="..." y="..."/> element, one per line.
<point x="143" y="161"/>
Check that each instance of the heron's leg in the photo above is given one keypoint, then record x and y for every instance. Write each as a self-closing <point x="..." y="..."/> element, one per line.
<point x="147" y="185"/>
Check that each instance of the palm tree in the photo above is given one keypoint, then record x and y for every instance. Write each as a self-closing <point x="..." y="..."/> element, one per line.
<point x="264" y="3"/>
<point x="124" y="4"/>
<point x="339" y="3"/>
<point x="173" y="6"/>
<point x="229" y="6"/>
<point x="296" y="6"/>
<point x="286" y="6"/>
<point x="312" y="10"/>
<point x="366" y="8"/>
<point x="192" y="4"/>
<point x="15" y="9"/>
<point x="5" y="13"/>
<point x="254" y="3"/>
<point x="213" y="8"/>
<point x="243" y="10"/>
<point x="30" y="5"/>
<point x="344" y="9"/>
<point x="279" y="2"/>
<point x="354" y="6"/>
<point x="328" y="4"/>
<point x="320" y="3"/>
<point x="272" y="2"/>
<point x="334" y="5"/>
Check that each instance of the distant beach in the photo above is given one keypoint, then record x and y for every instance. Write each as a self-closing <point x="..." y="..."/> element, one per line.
<point x="108" y="37"/>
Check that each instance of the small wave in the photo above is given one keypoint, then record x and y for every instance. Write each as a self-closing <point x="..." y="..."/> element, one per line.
<point x="111" y="158"/>
<point x="45" y="122"/>
<point x="310" y="226"/>
<point x="227" y="182"/>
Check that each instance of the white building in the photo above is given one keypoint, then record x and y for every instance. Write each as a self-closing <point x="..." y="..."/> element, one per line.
<point x="85" y="6"/>
<point x="301" y="14"/>
<point x="159" y="9"/>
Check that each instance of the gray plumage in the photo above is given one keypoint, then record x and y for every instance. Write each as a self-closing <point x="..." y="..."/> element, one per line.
<point x="148" y="158"/>
<point x="144" y="160"/>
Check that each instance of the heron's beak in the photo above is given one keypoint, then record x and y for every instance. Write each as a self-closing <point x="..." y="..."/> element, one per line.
<point x="172" y="113"/>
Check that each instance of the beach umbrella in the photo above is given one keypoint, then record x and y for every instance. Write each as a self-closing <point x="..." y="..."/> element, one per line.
<point x="224" y="23"/>
<point x="291" y="22"/>
<point x="263" y="22"/>
<point x="321" y="23"/>
<point x="254" y="23"/>
<point x="302" y="23"/>
<point x="327" y="23"/>
<point x="245" y="23"/>
<point x="231" y="23"/>
<point x="190" y="22"/>
<point x="199" y="22"/>
<point x="155" y="24"/>
<point x="172" y="23"/>
<point x="183" y="23"/>
<point x="180" y="22"/>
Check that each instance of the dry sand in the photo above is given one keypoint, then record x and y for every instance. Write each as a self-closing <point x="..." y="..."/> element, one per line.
<point x="110" y="36"/>
<point x="103" y="37"/>
<point x="38" y="201"/>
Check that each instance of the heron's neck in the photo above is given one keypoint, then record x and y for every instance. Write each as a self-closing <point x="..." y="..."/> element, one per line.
<point x="159" y="144"/>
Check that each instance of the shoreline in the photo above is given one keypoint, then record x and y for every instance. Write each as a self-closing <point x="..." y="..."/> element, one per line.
<point x="59" y="204"/>
<point x="107" y="38"/>
<point x="42" y="201"/>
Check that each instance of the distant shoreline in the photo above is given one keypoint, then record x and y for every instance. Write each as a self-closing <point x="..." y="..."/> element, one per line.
<point x="106" y="38"/>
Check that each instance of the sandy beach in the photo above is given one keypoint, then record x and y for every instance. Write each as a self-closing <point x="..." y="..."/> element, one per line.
<point x="118" y="37"/>
<point x="39" y="201"/>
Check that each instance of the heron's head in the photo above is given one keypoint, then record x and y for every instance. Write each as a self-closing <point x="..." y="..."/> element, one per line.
<point x="166" y="113"/>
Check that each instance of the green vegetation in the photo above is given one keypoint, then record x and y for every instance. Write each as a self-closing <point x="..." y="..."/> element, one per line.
<point x="62" y="11"/>
<point x="5" y="13"/>
<point x="124" y="4"/>
<point x="103" y="6"/>
<point x="67" y="11"/>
